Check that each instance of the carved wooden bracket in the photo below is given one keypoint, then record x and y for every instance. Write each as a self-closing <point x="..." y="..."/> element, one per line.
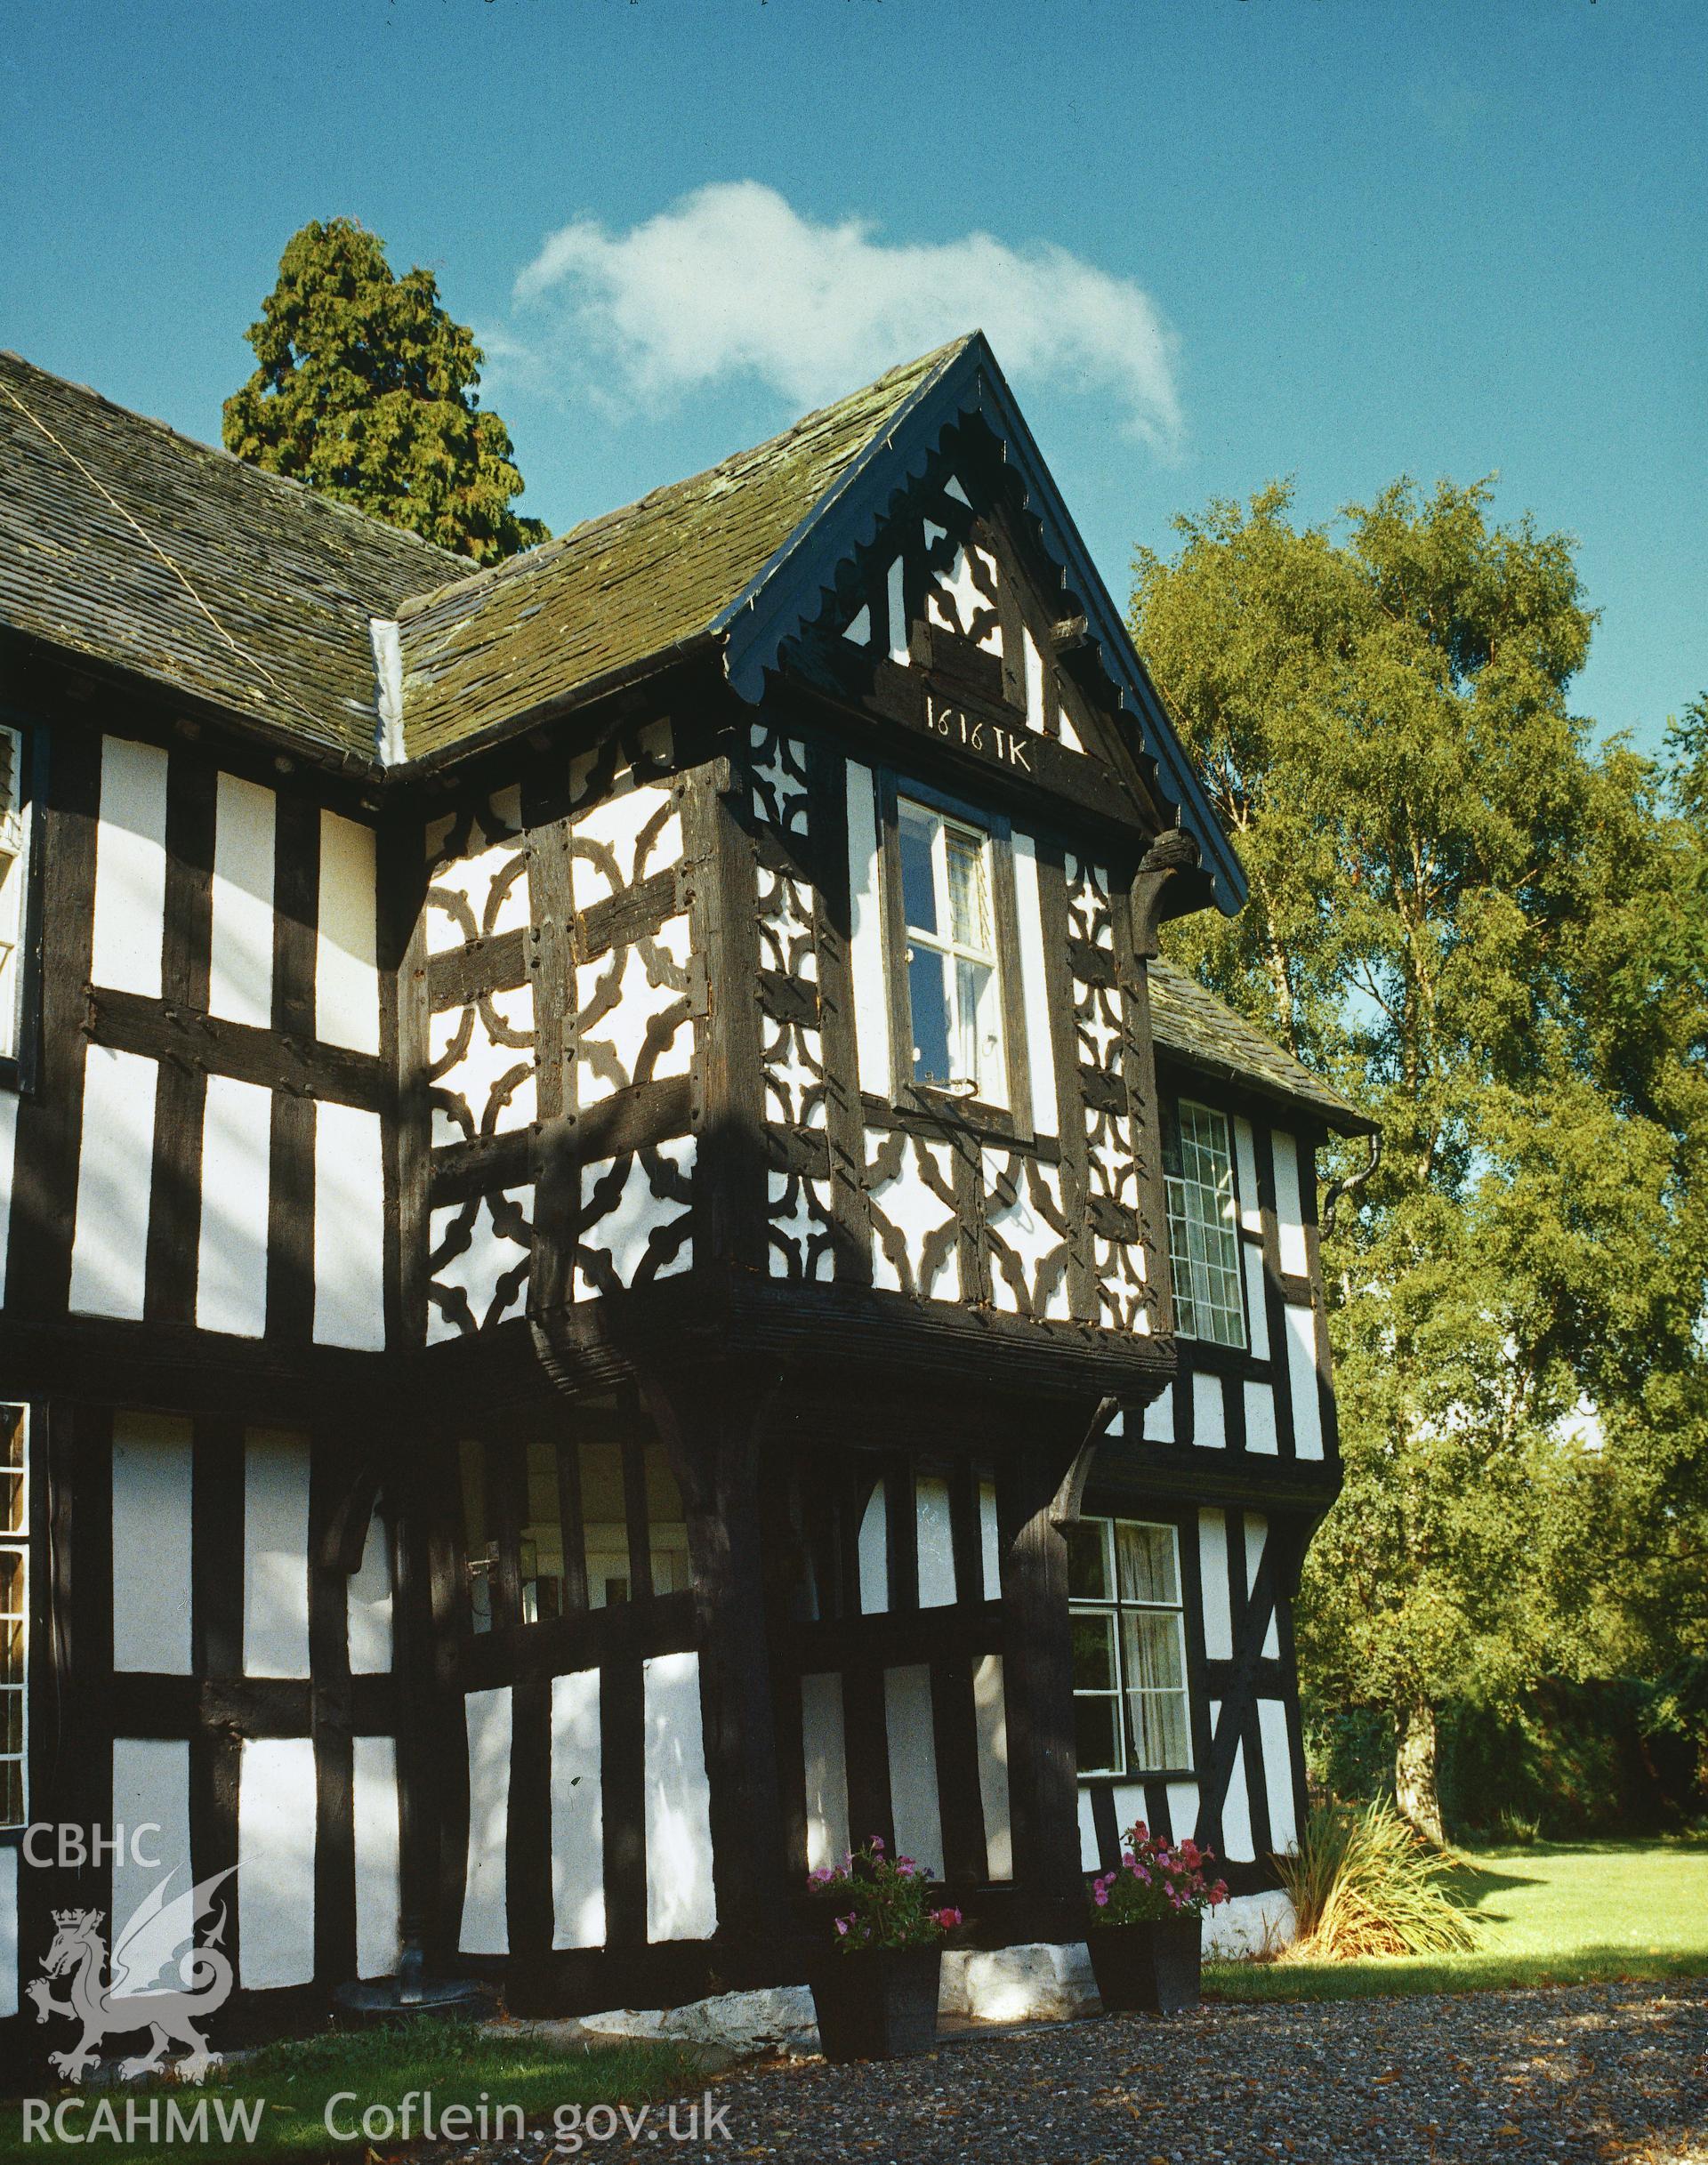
<point x="1168" y="883"/>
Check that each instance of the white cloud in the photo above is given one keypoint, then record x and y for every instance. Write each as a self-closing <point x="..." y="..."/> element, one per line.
<point x="732" y="280"/>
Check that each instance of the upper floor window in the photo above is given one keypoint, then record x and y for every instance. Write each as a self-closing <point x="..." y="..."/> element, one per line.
<point x="954" y="988"/>
<point x="15" y="873"/>
<point x="1203" y="1227"/>
<point x="15" y="1614"/>
<point x="1130" y="1710"/>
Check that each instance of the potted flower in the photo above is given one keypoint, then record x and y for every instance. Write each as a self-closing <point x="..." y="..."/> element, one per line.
<point x="1147" y="1924"/>
<point x="875" y="1986"/>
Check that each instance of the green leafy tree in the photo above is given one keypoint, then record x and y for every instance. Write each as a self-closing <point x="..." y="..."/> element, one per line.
<point x="368" y="391"/>
<point x="1490" y="933"/>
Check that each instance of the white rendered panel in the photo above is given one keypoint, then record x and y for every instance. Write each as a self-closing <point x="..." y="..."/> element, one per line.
<point x="874" y="1552"/>
<point x="1278" y="1775"/>
<point x="379" y="1892"/>
<point x="1209" y="1427"/>
<point x="935" y="1541"/>
<point x="1251" y="1214"/>
<point x="1129" y="1806"/>
<point x="1302" y="1375"/>
<point x="825" y="1751"/>
<point x="1256" y="1533"/>
<point x="346" y="972"/>
<point x="1035" y="987"/>
<point x="236" y="1174"/>
<point x="240" y="953"/>
<point x="1236" y="1844"/>
<point x="151" y="1504"/>
<point x="990" y="1717"/>
<point x="577" y="1812"/>
<point x="348" y="1228"/>
<point x="1213" y="1571"/>
<point x="484" y="1928"/>
<point x="115" y="1171"/>
<point x="129" y="931"/>
<point x="1159" y="1417"/>
<point x="369" y="1612"/>
<point x="912" y="1765"/>
<point x="1261" y="1434"/>
<point x="275" y="1554"/>
<point x="1088" y="1859"/>
<point x="1289" y="1215"/>
<point x="8" y="1153"/>
<point x="865" y="940"/>
<point x="1257" y="1304"/>
<point x="275" y="1835"/>
<point x="8" y="1933"/>
<point x="896" y="593"/>
<point x="990" y="1541"/>
<point x="1182" y="1810"/>
<point x="1034" y="681"/>
<point x="150" y="1790"/>
<point x="682" y="1899"/>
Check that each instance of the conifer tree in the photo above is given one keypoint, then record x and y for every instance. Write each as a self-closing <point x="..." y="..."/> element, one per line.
<point x="368" y="391"/>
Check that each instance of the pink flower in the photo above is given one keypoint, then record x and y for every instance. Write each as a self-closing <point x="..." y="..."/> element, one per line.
<point x="1100" y="1895"/>
<point x="877" y="1843"/>
<point x="843" y="1923"/>
<point x="947" y="1919"/>
<point x="1128" y="1859"/>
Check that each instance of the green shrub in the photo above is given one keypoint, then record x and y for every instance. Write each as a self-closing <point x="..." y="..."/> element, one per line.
<point x="1362" y="1883"/>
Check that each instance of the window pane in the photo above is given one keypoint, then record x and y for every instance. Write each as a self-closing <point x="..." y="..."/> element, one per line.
<point x="1159" y="1730"/>
<point x="480" y="1548"/>
<point x="12" y="1795"/>
<point x="976" y="1037"/>
<point x="1096" y="1737"/>
<point x="916" y="830"/>
<point x="928" y="994"/>
<point x="969" y="908"/>
<point x="1145" y="1556"/>
<point x="11" y="1436"/>
<point x="666" y="1525"/>
<point x="11" y="1502"/>
<point x="1093" y="1654"/>
<point x="1088" y="1568"/>
<point x="540" y="1558"/>
<point x="1151" y="1645"/>
<point x="604" y="1525"/>
<point x="1202" y="1232"/>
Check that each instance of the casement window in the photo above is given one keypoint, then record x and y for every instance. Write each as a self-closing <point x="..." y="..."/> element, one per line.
<point x="14" y="909"/>
<point x="550" y="1529"/>
<point x="1204" y="1226"/>
<point x="955" y="995"/>
<point x="14" y="1615"/>
<point x="1131" y="1709"/>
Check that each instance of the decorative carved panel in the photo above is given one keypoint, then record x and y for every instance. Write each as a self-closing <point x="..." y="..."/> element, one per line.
<point x="637" y="1219"/>
<point x="478" y="1262"/>
<point x="915" y="1220"/>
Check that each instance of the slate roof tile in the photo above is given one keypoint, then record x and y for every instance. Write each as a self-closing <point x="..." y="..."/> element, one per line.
<point x="1205" y="1032"/>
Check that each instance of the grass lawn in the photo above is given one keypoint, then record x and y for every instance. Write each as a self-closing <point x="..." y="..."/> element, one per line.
<point x="290" y="2085"/>
<point x="1559" y="1913"/>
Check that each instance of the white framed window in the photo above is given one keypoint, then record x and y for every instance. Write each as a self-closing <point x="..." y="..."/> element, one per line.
<point x="955" y="993"/>
<point x="1204" y="1228"/>
<point x="14" y="872"/>
<point x="1131" y="1713"/>
<point x="14" y="1616"/>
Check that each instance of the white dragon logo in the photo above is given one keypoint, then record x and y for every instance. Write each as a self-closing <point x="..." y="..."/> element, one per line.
<point x="135" y="1999"/>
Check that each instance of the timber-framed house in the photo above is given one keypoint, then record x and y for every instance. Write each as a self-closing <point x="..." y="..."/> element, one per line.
<point x="620" y="1264"/>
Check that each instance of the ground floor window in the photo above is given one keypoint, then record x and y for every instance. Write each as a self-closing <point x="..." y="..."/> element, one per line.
<point x="1131" y="1709"/>
<point x="14" y="1614"/>
<point x="553" y="1526"/>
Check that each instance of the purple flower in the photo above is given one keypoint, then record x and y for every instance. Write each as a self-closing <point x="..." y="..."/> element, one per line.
<point x="843" y="1923"/>
<point x="1100" y="1895"/>
<point x="1128" y="1859"/>
<point x="877" y="1844"/>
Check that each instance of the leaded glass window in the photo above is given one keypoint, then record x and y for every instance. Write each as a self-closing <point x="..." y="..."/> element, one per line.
<point x="14" y="1615"/>
<point x="1132" y="1714"/>
<point x="1204" y="1228"/>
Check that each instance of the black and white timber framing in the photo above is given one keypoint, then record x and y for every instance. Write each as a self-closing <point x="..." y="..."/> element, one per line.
<point x="539" y="1429"/>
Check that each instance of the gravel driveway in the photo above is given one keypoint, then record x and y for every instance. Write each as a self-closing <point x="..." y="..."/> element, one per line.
<point x="1606" y="2073"/>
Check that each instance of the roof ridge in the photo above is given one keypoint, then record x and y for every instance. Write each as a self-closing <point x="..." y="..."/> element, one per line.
<point x="303" y="491"/>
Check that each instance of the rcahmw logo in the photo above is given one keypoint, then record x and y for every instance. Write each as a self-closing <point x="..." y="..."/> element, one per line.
<point x="165" y="1976"/>
<point x="142" y="2120"/>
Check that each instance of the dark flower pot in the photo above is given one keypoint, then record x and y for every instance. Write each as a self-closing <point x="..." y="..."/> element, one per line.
<point x="880" y="2005"/>
<point x="1151" y="1968"/>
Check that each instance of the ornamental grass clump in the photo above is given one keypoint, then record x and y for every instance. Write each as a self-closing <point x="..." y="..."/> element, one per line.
<point x="1156" y="1880"/>
<point x="1362" y="1883"/>
<point x="888" y="1901"/>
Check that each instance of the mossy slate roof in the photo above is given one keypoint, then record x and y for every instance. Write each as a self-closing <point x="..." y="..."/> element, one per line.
<point x="1206" y="1034"/>
<point x="124" y="541"/>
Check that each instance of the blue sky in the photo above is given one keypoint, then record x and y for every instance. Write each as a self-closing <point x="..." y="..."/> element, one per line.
<point x="1213" y="241"/>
